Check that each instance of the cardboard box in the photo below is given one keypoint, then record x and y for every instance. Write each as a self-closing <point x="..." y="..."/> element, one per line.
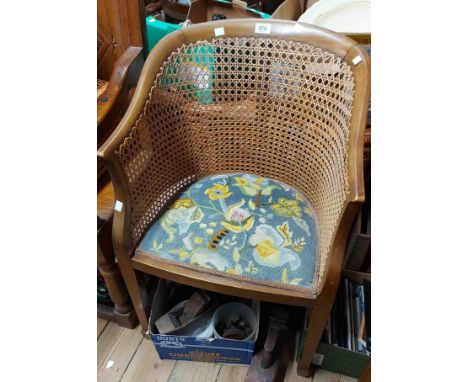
<point x="199" y="11"/>
<point x="188" y="348"/>
<point x="293" y="9"/>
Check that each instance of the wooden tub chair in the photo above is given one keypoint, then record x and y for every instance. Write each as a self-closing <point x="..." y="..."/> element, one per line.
<point x="238" y="165"/>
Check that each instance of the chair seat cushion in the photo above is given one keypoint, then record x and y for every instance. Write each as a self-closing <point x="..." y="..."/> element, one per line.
<point x="240" y="226"/>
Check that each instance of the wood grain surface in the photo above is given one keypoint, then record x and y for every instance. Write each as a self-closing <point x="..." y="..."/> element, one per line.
<point x="107" y="340"/>
<point x="134" y="359"/>
<point x="105" y="201"/>
<point x="146" y="366"/>
<point x="195" y="372"/>
<point x="101" y="325"/>
<point x="114" y="364"/>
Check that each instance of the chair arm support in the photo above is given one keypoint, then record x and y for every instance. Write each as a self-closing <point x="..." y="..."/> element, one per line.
<point x="119" y="75"/>
<point x="359" y="119"/>
<point x="334" y="263"/>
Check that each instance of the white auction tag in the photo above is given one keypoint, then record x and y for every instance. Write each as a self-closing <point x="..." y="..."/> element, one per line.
<point x="357" y="60"/>
<point x="219" y="31"/>
<point x="118" y="205"/>
<point x="263" y="28"/>
<point x="318" y="359"/>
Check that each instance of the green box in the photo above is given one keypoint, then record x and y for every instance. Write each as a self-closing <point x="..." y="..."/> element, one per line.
<point x="201" y="67"/>
<point x="157" y="29"/>
<point x="339" y="360"/>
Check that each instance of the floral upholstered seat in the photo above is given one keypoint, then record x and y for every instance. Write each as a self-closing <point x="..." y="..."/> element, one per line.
<point x="240" y="226"/>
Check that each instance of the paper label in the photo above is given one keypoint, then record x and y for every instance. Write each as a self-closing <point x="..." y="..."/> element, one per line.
<point x="262" y="28"/>
<point x="318" y="359"/>
<point x="357" y="60"/>
<point x="219" y="31"/>
<point x="118" y="205"/>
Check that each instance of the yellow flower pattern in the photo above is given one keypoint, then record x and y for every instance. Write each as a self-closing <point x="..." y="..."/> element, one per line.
<point x="287" y="208"/>
<point x="218" y="191"/>
<point x="240" y="224"/>
<point x="186" y="203"/>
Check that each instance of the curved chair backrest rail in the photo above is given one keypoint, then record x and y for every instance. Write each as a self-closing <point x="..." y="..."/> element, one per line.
<point x="278" y="99"/>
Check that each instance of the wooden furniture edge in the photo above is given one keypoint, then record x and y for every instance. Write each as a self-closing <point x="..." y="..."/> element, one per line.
<point x="220" y="284"/>
<point x="116" y="82"/>
<point x="361" y="73"/>
<point x="122" y="312"/>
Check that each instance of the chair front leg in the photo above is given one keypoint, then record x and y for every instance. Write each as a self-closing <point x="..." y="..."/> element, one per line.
<point x="324" y="302"/>
<point x="317" y="322"/>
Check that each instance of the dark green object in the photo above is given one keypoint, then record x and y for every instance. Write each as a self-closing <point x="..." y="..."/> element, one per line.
<point x="339" y="360"/>
<point x="157" y="29"/>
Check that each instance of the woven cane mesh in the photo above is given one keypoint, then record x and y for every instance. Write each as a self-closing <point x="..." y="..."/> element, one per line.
<point x="275" y="108"/>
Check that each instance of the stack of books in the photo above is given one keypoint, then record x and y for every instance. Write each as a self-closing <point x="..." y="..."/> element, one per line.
<point x="349" y="323"/>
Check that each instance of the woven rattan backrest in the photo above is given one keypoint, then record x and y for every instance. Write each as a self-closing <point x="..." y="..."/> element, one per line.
<point x="274" y="107"/>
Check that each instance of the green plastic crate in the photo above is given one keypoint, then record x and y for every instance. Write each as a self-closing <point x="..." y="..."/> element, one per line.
<point x="157" y="29"/>
<point x="339" y="360"/>
<point x="334" y="358"/>
<point x="200" y="66"/>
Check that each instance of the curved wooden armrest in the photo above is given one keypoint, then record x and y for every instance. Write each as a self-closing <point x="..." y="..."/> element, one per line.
<point x="107" y="99"/>
<point x="358" y="119"/>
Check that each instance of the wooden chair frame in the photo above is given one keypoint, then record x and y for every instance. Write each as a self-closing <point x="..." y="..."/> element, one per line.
<point x="319" y="307"/>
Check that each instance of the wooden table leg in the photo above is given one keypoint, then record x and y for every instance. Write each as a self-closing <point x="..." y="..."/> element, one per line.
<point x="122" y="313"/>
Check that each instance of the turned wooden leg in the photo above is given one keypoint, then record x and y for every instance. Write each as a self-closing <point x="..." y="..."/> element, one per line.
<point x="135" y="289"/>
<point x="123" y="312"/>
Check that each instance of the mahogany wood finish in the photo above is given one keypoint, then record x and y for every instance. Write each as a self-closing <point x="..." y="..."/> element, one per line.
<point x="107" y="98"/>
<point x="119" y="58"/>
<point x="123" y="242"/>
<point x="119" y="61"/>
<point x="122" y="313"/>
<point x="119" y="26"/>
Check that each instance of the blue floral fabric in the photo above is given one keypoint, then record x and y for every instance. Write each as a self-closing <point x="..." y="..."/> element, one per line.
<point x="240" y="224"/>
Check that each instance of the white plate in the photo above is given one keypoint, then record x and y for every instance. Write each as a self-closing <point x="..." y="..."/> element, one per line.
<point x="345" y="16"/>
